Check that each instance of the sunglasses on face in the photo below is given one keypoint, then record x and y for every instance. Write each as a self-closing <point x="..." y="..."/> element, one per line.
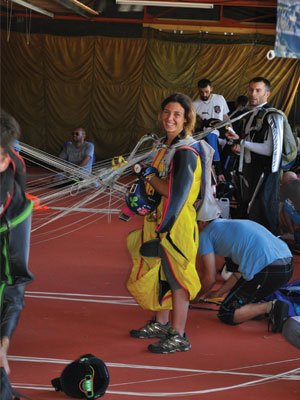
<point x="76" y="133"/>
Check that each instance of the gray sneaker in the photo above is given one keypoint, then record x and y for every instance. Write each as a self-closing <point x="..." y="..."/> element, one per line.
<point x="173" y="342"/>
<point x="152" y="329"/>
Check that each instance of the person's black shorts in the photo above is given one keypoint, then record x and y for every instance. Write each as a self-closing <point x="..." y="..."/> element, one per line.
<point x="245" y="292"/>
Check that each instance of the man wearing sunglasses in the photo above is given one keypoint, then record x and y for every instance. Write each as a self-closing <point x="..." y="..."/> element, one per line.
<point x="79" y="151"/>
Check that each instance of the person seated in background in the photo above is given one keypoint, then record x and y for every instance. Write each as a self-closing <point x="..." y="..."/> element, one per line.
<point x="79" y="151"/>
<point x="289" y="205"/>
<point x="261" y="263"/>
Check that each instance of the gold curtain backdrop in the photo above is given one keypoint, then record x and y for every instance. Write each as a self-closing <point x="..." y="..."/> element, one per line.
<point x="113" y="87"/>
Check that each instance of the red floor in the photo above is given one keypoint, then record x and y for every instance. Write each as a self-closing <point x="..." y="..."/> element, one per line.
<point x="79" y="304"/>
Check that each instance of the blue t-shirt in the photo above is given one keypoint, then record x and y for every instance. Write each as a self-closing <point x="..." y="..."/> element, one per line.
<point x="250" y="245"/>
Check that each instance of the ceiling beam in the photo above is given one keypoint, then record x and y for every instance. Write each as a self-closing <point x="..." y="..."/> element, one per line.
<point x="77" y="7"/>
<point x="201" y="3"/>
<point x="244" y="3"/>
<point x="155" y="3"/>
<point x="32" y="7"/>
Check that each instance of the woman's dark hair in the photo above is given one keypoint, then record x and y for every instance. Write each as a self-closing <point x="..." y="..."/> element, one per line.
<point x="187" y="105"/>
<point x="9" y="131"/>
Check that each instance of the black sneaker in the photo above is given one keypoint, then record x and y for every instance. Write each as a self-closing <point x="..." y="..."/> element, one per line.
<point x="172" y="343"/>
<point x="152" y="329"/>
<point x="278" y="315"/>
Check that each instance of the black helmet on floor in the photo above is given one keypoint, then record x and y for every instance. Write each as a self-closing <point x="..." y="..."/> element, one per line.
<point x="85" y="378"/>
<point x="224" y="190"/>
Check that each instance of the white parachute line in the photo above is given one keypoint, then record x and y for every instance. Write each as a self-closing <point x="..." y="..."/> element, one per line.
<point x="233" y="372"/>
<point x="42" y="156"/>
<point x="34" y="237"/>
<point x="65" y="226"/>
<point x="202" y="134"/>
<point x="112" y="205"/>
<point x="88" y="217"/>
<point x="89" y="210"/>
<point x="79" y="204"/>
<point x="48" y="201"/>
<point x="230" y="371"/>
<point x="73" y="170"/>
<point x="109" y="192"/>
<point x="271" y="378"/>
<point x="107" y="177"/>
<point x="112" y="175"/>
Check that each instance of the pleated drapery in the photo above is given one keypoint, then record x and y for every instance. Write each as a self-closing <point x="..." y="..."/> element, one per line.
<point x="113" y="87"/>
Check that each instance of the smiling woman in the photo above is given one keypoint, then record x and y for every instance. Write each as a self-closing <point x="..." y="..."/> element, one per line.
<point x="164" y="250"/>
<point x="173" y="120"/>
<point x="176" y="117"/>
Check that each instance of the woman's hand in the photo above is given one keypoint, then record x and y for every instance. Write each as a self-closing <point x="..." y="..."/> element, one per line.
<point x="147" y="173"/>
<point x="213" y="294"/>
<point x="3" y="354"/>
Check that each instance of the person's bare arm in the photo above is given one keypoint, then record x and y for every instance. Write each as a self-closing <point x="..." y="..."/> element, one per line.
<point x="209" y="274"/>
<point x="227" y="285"/>
<point x="85" y="161"/>
<point x="161" y="186"/>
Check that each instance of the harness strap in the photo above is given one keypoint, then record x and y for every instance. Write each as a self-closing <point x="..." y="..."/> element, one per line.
<point x="17" y="220"/>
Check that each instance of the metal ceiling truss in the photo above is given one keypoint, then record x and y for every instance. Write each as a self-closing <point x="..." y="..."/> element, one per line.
<point x="81" y="9"/>
<point x="78" y="7"/>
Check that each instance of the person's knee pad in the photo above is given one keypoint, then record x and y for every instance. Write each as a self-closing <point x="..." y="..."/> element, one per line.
<point x="226" y="315"/>
<point x="291" y="331"/>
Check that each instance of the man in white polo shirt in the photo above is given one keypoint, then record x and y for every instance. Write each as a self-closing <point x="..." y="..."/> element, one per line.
<point x="210" y="105"/>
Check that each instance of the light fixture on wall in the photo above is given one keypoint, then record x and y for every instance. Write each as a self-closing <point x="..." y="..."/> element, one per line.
<point x="100" y="5"/>
<point x="155" y="3"/>
<point x="130" y="8"/>
<point x="31" y="6"/>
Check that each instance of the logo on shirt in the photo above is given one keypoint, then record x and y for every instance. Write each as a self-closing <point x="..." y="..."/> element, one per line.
<point x="217" y="109"/>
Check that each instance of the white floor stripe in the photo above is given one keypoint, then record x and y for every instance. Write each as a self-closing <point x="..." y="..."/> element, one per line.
<point x="168" y="394"/>
<point x="84" y="300"/>
<point x="80" y="295"/>
<point x="263" y="379"/>
<point x="233" y="371"/>
<point x="120" y="300"/>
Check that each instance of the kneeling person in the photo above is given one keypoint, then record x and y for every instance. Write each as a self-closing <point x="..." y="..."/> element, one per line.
<point x="263" y="264"/>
